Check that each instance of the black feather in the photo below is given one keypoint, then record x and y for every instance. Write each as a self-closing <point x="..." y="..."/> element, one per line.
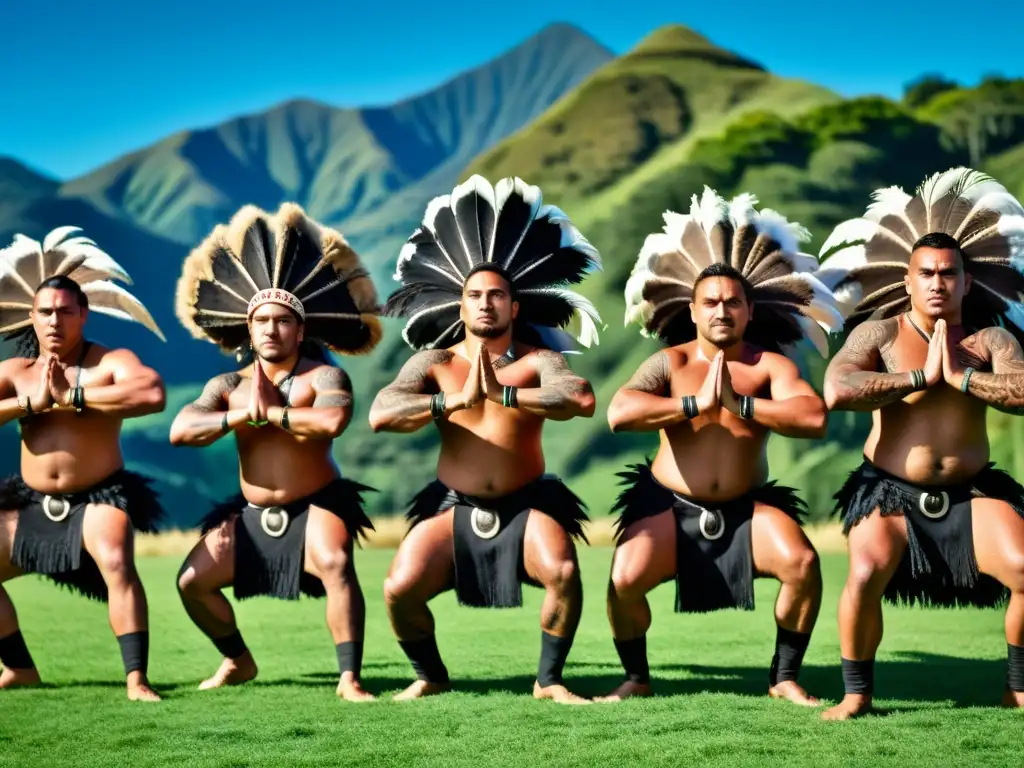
<point x="258" y="252"/>
<point x="450" y="239"/>
<point x="513" y="219"/>
<point x="300" y="257"/>
<point x="227" y="271"/>
<point x="475" y="217"/>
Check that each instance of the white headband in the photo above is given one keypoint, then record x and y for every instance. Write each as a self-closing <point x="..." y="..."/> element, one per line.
<point x="276" y="296"/>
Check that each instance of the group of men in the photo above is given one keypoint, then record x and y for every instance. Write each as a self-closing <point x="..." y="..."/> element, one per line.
<point x="925" y="284"/>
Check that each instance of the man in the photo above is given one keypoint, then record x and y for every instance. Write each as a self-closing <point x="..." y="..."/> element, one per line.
<point x="928" y="518"/>
<point x="478" y="289"/>
<point x="278" y="286"/>
<point x="703" y="513"/>
<point x="72" y="512"/>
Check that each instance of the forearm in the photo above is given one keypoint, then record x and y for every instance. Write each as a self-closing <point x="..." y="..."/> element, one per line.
<point x="557" y="402"/>
<point x="10" y="410"/>
<point x="400" y="412"/>
<point x="643" y="412"/>
<point x="803" y="416"/>
<point x="201" y="428"/>
<point x="132" y="397"/>
<point x="866" y="391"/>
<point x="326" y="423"/>
<point x="1004" y="391"/>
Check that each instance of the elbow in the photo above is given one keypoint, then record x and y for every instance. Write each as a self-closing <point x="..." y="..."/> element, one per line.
<point x="833" y="398"/>
<point x="586" y="404"/>
<point x="377" y="421"/>
<point x="178" y="435"/>
<point x="616" y="417"/>
<point x="154" y="396"/>
<point x="336" y="423"/>
<point x="817" y="421"/>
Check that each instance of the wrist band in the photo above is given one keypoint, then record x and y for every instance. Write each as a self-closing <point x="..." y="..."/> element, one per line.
<point x="27" y="407"/>
<point x="224" y="422"/>
<point x="746" y="407"/>
<point x="284" y="418"/>
<point x="690" y="406"/>
<point x="437" y="403"/>
<point x="509" y="399"/>
<point x="967" y="380"/>
<point x="917" y="378"/>
<point x="78" y="398"/>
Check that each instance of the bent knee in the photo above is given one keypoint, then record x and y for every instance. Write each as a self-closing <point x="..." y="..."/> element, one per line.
<point x="801" y="567"/>
<point x="332" y="566"/>
<point x="398" y="588"/>
<point x="1013" y="575"/>
<point x="562" y="576"/>
<point x="869" y="573"/>
<point x="627" y="584"/>
<point x="114" y="563"/>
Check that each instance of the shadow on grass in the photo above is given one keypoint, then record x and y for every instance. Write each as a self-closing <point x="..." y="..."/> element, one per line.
<point x="919" y="677"/>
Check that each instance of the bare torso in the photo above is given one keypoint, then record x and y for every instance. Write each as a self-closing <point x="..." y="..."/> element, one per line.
<point x="936" y="436"/>
<point x="716" y="456"/>
<point x="275" y="466"/>
<point x="64" y="451"/>
<point x="489" y="450"/>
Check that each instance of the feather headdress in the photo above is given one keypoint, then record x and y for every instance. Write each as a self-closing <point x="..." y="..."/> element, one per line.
<point x="865" y="259"/>
<point x="790" y="303"/>
<point x="26" y="263"/>
<point x="285" y="258"/>
<point x="534" y="245"/>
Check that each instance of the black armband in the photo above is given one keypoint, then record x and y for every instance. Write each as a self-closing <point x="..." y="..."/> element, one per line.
<point x="284" y="418"/>
<point x="918" y="379"/>
<point x="746" y="407"/>
<point x="509" y="398"/>
<point x="437" y="403"/>
<point x="690" y="406"/>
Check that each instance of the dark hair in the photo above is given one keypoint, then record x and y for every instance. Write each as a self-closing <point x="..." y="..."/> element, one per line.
<point x="65" y="283"/>
<point x="941" y="241"/>
<point x="721" y="269"/>
<point x="490" y="266"/>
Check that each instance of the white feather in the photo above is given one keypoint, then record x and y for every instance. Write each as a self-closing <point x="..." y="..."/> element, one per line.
<point x="787" y="234"/>
<point x="1012" y="228"/>
<point x="741" y="209"/>
<point x="107" y="295"/>
<point x="531" y="194"/>
<point x="849" y="231"/>
<point x="814" y="333"/>
<point x="675" y="224"/>
<point x="585" y="312"/>
<point x="437" y="308"/>
<point x="479" y="185"/>
<point x="999" y="201"/>
<point x="56" y="235"/>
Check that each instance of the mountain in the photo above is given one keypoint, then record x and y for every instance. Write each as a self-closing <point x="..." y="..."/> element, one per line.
<point x="369" y="171"/>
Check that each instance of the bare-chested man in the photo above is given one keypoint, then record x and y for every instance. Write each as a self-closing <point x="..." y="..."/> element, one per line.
<point x="929" y="519"/>
<point x="278" y="285"/>
<point x="479" y="289"/>
<point x="704" y="513"/>
<point x="72" y="512"/>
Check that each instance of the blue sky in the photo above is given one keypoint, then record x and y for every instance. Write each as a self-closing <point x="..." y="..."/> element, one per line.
<point x="84" y="82"/>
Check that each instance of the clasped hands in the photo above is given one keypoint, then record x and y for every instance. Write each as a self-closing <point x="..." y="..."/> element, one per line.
<point x="53" y="391"/>
<point x="942" y="363"/>
<point x="263" y="395"/>
<point x="481" y="384"/>
<point x="717" y="388"/>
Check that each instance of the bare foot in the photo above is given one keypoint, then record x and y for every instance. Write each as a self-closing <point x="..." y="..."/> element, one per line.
<point x="350" y="690"/>
<point x="627" y="690"/>
<point x="232" y="672"/>
<point x="852" y="705"/>
<point x="791" y="691"/>
<point x="419" y="689"/>
<point x="1012" y="699"/>
<point x="19" y="678"/>
<point x="558" y="694"/>
<point x="140" y="691"/>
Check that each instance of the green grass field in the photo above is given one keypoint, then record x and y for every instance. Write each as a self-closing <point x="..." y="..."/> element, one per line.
<point x="940" y="674"/>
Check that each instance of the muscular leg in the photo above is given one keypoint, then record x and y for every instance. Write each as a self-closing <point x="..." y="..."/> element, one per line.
<point x="876" y="546"/>
<point x="11" y="642"/>
<point x="999" y="549"/>
<point x="424" y="567"/>
<point x="549" y="558"/>
<point x="210" y="567"/>
<point x="328" y="556"/>
<point x="108" y="537"/>
<point x="644" y="558"/>
<point x="782" y="550"/>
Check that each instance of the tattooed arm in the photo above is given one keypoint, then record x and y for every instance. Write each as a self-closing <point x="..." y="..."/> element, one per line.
<point x="331" y="410"/>
<point x="644" y="403"/>
<point x="851" y="383"/>
<point x="202" y="422"/>
<point x="562" y="395"/>
<point x="1003" y="389"/>
<point x="404" y="404"/>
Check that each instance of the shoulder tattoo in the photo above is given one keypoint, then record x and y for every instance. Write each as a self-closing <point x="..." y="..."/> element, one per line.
<point x="653" y="376"/>
<point x="216" y="391"/>
<point x="333" y="388"/>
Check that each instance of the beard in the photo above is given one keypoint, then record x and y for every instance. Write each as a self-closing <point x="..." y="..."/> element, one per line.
<point x="488" y="331"/>
<point x="274" y="354"/>
<point x="723" y="335"/>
